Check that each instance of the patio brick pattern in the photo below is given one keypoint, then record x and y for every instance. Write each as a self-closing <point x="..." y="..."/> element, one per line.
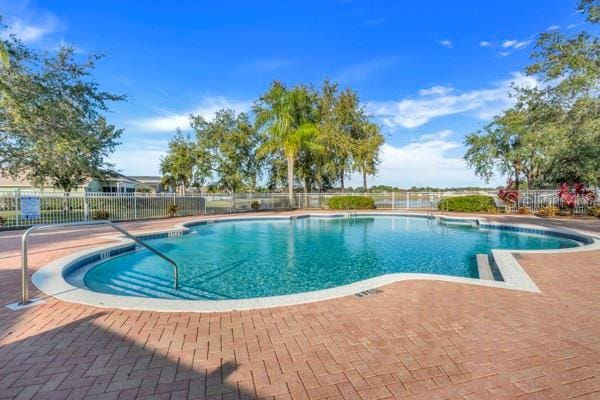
<point x="411" y="340"/>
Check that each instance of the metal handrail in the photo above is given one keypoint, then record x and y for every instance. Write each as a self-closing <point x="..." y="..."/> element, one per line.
<point x="25" y="266"/>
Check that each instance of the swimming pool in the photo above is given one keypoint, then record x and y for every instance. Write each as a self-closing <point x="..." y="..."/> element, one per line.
<point x="252" y="258"/>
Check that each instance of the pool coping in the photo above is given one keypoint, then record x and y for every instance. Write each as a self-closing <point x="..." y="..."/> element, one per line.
<point x="50" y="278"/>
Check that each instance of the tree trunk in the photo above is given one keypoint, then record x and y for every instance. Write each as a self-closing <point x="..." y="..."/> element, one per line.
<point x="290" y="177"/>
<point x="516" y="179"/>
<point x="342" y="182"/>
<point x="365" y="181"/>
<point x="66" y="198"/>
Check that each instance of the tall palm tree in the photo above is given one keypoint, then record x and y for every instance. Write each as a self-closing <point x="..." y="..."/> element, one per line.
<point x="287" y="118"/>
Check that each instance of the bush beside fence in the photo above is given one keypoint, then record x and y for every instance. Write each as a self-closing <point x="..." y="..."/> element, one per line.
<point x="77" y="207"/>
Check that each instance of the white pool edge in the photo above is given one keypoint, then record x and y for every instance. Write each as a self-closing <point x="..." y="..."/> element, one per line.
<point x="50" y="280"/>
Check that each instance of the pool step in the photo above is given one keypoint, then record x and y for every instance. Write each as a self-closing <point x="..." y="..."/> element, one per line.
<point x="484" y="268"/>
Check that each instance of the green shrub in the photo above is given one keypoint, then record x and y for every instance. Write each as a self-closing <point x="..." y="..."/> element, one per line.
<point x="172" y="209"/>
<point x="470" y="203"/>
<point x="594" y="211"/>
<point x="548" y="211"/>
<point x="100" y="214"/>
<point x="524" y="211"/>
<point x="351" y="202"/>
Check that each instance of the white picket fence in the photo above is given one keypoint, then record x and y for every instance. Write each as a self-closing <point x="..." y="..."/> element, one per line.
<point x="531" y="199"/>
<point x="76" y="207"/>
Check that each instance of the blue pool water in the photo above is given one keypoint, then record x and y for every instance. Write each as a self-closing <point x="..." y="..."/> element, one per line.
<point x="257" y="258"/>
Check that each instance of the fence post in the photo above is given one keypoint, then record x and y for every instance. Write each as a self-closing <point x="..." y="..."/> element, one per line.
<point x="407" y="200"/>
<point x="86" y="209"/>
<point x="135" y="206"/>
<point x="393" y="201"/>
<point x="17" y="196"/>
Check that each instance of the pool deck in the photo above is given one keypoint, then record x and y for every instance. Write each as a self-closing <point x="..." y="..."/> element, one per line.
<point x="410" y="340"/>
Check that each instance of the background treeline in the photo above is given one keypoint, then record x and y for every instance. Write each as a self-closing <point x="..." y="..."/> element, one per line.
<point x="552" y="134"/>
<point x="300" y="137"/>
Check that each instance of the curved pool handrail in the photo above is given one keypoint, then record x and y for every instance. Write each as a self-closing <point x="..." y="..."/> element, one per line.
<point x="28" y="232"/>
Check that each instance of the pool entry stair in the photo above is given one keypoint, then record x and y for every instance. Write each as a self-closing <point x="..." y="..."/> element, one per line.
<point x="27" y="302"/>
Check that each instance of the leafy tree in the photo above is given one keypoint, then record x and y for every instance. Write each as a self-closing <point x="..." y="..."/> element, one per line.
<point x="228" y="143"/>
<point x="182" y="166"/>
<point x="4" y="57"/>
<point x="286" y="117"/>
<point x="52" y="124"/>
<point x="573" y="63"/>
<point x="365" y="152"/>
<point x="550" y="135"/>
<point x="495" y="148"/>
<point x="341" y="122"/>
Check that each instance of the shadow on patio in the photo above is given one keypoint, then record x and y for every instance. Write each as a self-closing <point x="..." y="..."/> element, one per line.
<point x="91" y="358"/>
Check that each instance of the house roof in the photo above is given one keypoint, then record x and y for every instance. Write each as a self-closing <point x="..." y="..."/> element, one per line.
<point x="115" y="176"/>
<point x="147" y="178"/>
<point x="16" y="182"/>
<point x="22" y="182"/>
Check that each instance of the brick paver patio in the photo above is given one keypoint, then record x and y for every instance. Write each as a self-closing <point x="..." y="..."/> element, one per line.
<point x="413" y="340"/>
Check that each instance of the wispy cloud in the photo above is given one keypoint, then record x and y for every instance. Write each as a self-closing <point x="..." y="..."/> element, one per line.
<point x="361" y="71"/>
<point x="207" y="109"/>
<point x="435" y="90"/>
<point x="446" y="43"/>
<point x="482" y="103"/>
<point x="507" y="46"/>
<point x="371" y="22"/>
<point x="404" y="166"/>
<point x="553" y="28"/>
<point x="30" y="32"/>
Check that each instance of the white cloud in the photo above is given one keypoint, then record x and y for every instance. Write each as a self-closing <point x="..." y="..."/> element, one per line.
<point x="572" y="26"/>
<point x="504" y="53"/>
<point x="553" y="28"/>
<point x="435" y="90"/>
<point x="446" y="43"/>
<point x="482" y="103"/>
<point x="31" y="32"/>
<point x="362" y="71"/>
<point x="522" y="44"/>
<point x="485" y="43"/>
<point x="207" y="109"/>
<point x="446" y="133"/>
<point x="515" y="44"/>
<point x="427" y="161"/>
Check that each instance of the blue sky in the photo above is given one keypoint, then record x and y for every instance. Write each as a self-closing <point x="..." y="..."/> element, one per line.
<point x="428" y="73"/>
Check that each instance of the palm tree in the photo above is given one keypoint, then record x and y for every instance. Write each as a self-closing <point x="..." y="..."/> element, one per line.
<point x="287" y="118"/>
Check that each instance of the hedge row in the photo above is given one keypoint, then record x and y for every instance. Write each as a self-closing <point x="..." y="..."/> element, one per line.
<point x="471" y="203"/>
<point x="351" y="202"/>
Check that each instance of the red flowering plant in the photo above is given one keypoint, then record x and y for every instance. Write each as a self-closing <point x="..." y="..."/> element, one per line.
<point x="509" y="195"/>
<point x="569" y="195"/>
